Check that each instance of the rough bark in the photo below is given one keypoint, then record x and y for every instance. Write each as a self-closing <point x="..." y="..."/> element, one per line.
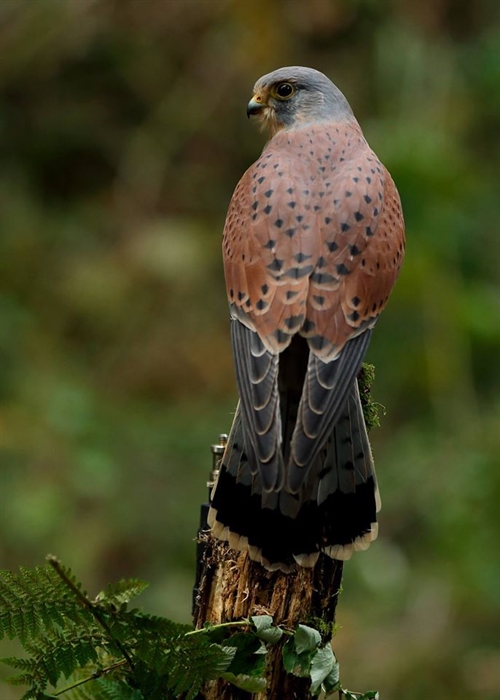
<point x="232" y="587"/>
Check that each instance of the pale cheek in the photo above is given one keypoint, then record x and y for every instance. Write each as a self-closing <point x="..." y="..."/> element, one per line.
<point x="268" y="121"/>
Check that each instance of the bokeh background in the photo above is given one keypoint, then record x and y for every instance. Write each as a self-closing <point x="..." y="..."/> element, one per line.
<point x="123" y="134"/>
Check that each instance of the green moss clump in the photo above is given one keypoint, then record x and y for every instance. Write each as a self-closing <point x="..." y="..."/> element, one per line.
<point x="371" y="409"/>
<point x="327" y="630"/>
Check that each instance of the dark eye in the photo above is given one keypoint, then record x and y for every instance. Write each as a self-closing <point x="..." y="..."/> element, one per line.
<point x="284" y="90"/>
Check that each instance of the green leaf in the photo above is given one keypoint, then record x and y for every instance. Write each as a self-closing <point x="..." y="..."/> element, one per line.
<point x="298" y="664"/>
<point x="331" y="682"/>
<point x="262" y="622"/>
<point x="322" y="664"/>
<point x="265" y="630"/>
<point x="248" y="659"/>
<point x="247" y="643"/>
<point x="271" y="635"/>
<point x="251" y="684"/>
<point x="306" y="639"/>
<point x="298" y="652"/>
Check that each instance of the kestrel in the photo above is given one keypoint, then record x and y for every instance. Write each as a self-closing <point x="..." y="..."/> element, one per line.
<point x="313" y="244"/>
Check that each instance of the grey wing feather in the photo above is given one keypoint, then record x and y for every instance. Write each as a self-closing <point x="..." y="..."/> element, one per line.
<point x="349" y="459"/>
<point x="257" y="378"/>
<point x="325" y="391"/>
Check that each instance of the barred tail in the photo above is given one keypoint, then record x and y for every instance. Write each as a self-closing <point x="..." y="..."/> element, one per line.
<point x="335" y="512"/>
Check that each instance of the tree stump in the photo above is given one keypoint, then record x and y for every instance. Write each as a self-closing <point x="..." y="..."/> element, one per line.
<point x="232" y="587"/>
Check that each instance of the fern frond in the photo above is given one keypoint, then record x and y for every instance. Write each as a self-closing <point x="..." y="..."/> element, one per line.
<point x="36" y="602"/>
<point x="28" y="666"/>
<point x="122" y="592"/>
<point x="17" y="662"/>
<point x="21" y="679"/>
<point x="104" y="689"/>
<point x="61" y="657"/>
<point x="57" y="656"/>
<point x="183" y="661"/>
<point x="102" y="650"/>
<point x="110" y="689"/>
<point x="35" y="694"/>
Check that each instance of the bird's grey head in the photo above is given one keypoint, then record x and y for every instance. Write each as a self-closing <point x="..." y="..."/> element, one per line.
<point x="293" y="96"/>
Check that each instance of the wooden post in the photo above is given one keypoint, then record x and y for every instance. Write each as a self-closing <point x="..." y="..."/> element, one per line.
<point x="232" y="587"/>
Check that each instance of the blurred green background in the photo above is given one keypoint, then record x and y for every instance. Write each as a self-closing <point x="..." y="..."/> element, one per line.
<point x="124" y="133"/>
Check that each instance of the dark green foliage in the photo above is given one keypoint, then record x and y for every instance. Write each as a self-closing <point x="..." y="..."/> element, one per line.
<point x="350" y="695"/>
<point x="169" y="658"/>
<point x="104" y="651"/>
<point x="265" y="630"/>
<point x="304" y="655"/>
<point x="122" y="592"/>
<point x="307" y="656"/>
<point x="120" y="653"/>
<point x="37" y="602"/>
<point x="105" y="689"/>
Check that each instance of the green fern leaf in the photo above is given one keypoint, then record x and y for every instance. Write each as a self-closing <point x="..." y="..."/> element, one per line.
<point x="104" y="689"/>
<point x="33" y="694"/>
<point x="182" y="660"/>
<point x="17" y="662"/>
<point x="35" y="602"/>
<point x="21" y="679"/>
<point x="48" y="668"/>
<point x="151" y="684"/>
<point x="122" y="592"/>
<point x="57" y="656"/>
<point x="7" y="624"/>
<point x="117" y="690"/>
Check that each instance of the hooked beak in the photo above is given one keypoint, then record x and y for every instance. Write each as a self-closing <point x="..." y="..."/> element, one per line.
<point x="255" y="105"/>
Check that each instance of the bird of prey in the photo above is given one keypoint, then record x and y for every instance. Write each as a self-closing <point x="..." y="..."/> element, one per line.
<point x="313" y="244"/>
